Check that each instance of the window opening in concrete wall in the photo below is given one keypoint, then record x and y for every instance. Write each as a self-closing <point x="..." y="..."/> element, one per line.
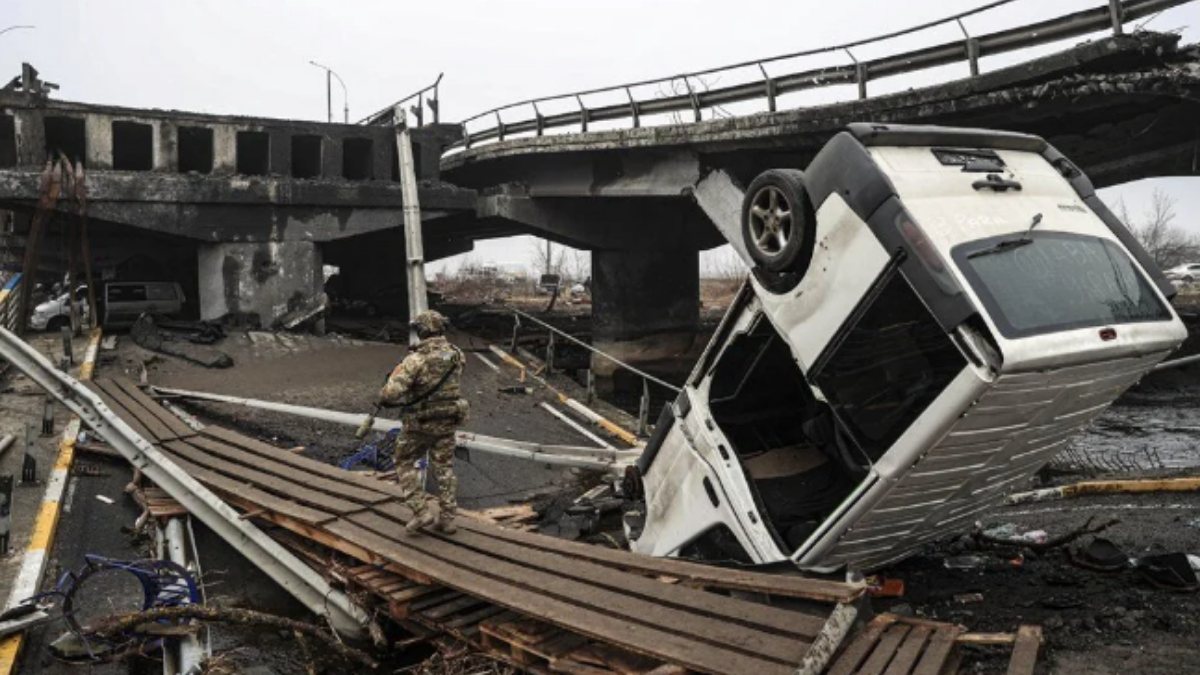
<point x="66" y="135"/>
<point x="357" y="160"/>
<point x="195" y="149"/>
<point x="8" y="141"/>
<point x="132" y="146"/>
<point x="306" y="156"/>
<point x="394" y="160"/>
<point x="253" y="153"/>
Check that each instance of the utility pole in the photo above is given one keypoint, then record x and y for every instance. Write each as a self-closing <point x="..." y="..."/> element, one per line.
<point x="329" y="77"/>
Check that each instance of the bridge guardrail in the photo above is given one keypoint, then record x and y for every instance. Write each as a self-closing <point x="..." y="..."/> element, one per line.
<point x="647" y="378"/>
<point x="425" y="96"/>
<point x="696" y="98"/>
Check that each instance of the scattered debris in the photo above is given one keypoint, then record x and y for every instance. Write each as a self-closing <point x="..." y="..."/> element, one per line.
<point x="148" y="335"/>
<point x="106" y="500"/>
<point x="1092" y="487"/>
<point x="1038" y="540"/>
<point x="145" y="623"/>
<point x="1102" y="555"/>
<point x="1171" y="571"/>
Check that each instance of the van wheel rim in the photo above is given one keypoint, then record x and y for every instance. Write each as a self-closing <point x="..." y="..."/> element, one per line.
<point x="770" y="220"/>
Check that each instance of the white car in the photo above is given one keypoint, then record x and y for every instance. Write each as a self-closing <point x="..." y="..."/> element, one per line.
<point x="932" y="314"/>
<point x="56" y="313"/>
<point x="1186" y="273"/>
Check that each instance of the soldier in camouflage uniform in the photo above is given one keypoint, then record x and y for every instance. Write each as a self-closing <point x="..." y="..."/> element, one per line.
<point x="426" y="387"/>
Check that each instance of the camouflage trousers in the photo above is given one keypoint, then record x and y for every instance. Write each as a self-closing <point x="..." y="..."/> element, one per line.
<point x="411" y="447"/>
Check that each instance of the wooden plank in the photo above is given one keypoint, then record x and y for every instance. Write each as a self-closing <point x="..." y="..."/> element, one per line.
<point x="121" y="412"/>
<point x="777" y="584"/>
<point x="307" y="464"/>
<point x="443" y="595"/>
<point x="176" y="425"/>
<point x="884" y="650"/>
<point x="647" y="639"/>
<point x="329" y="486"/>
<point x="652" y="609"/>
<point x="444" y="610"/>
<point x="409" y="594"/>
<point x="861" y="646"/>
<point x="1025" y="650"/>
<point x="474" y="617"/>
<point x="155" y="426"/>
<point x="228" y="486"/>
<point x="937" y="652"/>
<point x="264" y="481"/>
<point x="908" y="652"/>
<point x="737" y="612"/>
<point x="771" y="583"/>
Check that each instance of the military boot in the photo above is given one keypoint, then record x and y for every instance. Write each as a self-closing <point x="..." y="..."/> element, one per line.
<point x="445" y="523"/>
<point x="423" y="519"/>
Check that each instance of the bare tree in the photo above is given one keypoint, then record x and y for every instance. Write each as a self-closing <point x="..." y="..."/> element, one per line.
<point x="1167" y="243"/>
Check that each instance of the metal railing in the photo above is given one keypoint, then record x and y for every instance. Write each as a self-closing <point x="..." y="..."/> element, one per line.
<point x="395" y="114"/>
<point x="647" y="378"/>
<point x="695" y="97"/>
<point x="10" y="301"/>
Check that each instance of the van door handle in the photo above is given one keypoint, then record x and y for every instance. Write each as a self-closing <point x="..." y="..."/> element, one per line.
<point x="994" y="182"/>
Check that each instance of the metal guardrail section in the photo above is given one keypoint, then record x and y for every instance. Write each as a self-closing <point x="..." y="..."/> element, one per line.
<point x="647" y="378"/>
<point x="304" y="583"/>
<point x="394" y="114"/>
<point x="696" y="98"/>
<point x="10" y="296"/>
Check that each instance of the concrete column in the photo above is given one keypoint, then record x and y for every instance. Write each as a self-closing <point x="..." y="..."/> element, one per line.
<point x="645" y="311"/>
<point x="166" y="146"/>
<point x="97" y="131"/>
<point x="224" y="149"/>
<point x="270" y="281"/>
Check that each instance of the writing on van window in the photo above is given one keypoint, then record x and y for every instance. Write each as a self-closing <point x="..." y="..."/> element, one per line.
<point x="892" y="363"/>
<point x="1059" y="281"/>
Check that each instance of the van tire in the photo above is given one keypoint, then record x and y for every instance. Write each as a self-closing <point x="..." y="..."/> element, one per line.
<point x="56" y="323"/>
<point x="778" y="223"/>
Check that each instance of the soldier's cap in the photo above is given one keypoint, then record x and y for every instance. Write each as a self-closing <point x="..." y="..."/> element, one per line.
<point x="430" y="323"/>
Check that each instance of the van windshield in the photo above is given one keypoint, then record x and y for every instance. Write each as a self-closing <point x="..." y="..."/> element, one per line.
<point x="1058" y="281"/>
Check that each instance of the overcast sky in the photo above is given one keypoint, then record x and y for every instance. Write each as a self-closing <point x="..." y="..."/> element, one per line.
<point x="251" y="56"/>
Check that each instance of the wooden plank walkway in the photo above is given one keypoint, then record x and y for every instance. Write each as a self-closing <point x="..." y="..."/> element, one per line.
<point x="562" y="596"/>
<point x="897" y="645"/>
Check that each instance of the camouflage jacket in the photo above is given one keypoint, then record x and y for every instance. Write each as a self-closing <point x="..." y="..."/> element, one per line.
<point x="426" y="384"/>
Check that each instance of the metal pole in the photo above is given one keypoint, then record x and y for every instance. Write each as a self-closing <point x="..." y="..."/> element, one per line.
<point x="2" y="32"/>
<point x="414" y="247"/>
<point x="328" y="95"/>
<point x="190" y="652"/>
<point x="644" y="409"/>
<point x="1115" y="11"/>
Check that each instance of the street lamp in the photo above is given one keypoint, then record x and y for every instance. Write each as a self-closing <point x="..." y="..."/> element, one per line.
<point x="329" y="94"/>
<point x="2" y="32"/>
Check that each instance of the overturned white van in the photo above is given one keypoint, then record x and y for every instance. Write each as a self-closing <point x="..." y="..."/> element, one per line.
<point x="932" y="314"/>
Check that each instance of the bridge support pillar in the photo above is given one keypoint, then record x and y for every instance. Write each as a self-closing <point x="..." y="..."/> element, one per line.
<point x="272" y="282"/>
<point x="645" y="311"/>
